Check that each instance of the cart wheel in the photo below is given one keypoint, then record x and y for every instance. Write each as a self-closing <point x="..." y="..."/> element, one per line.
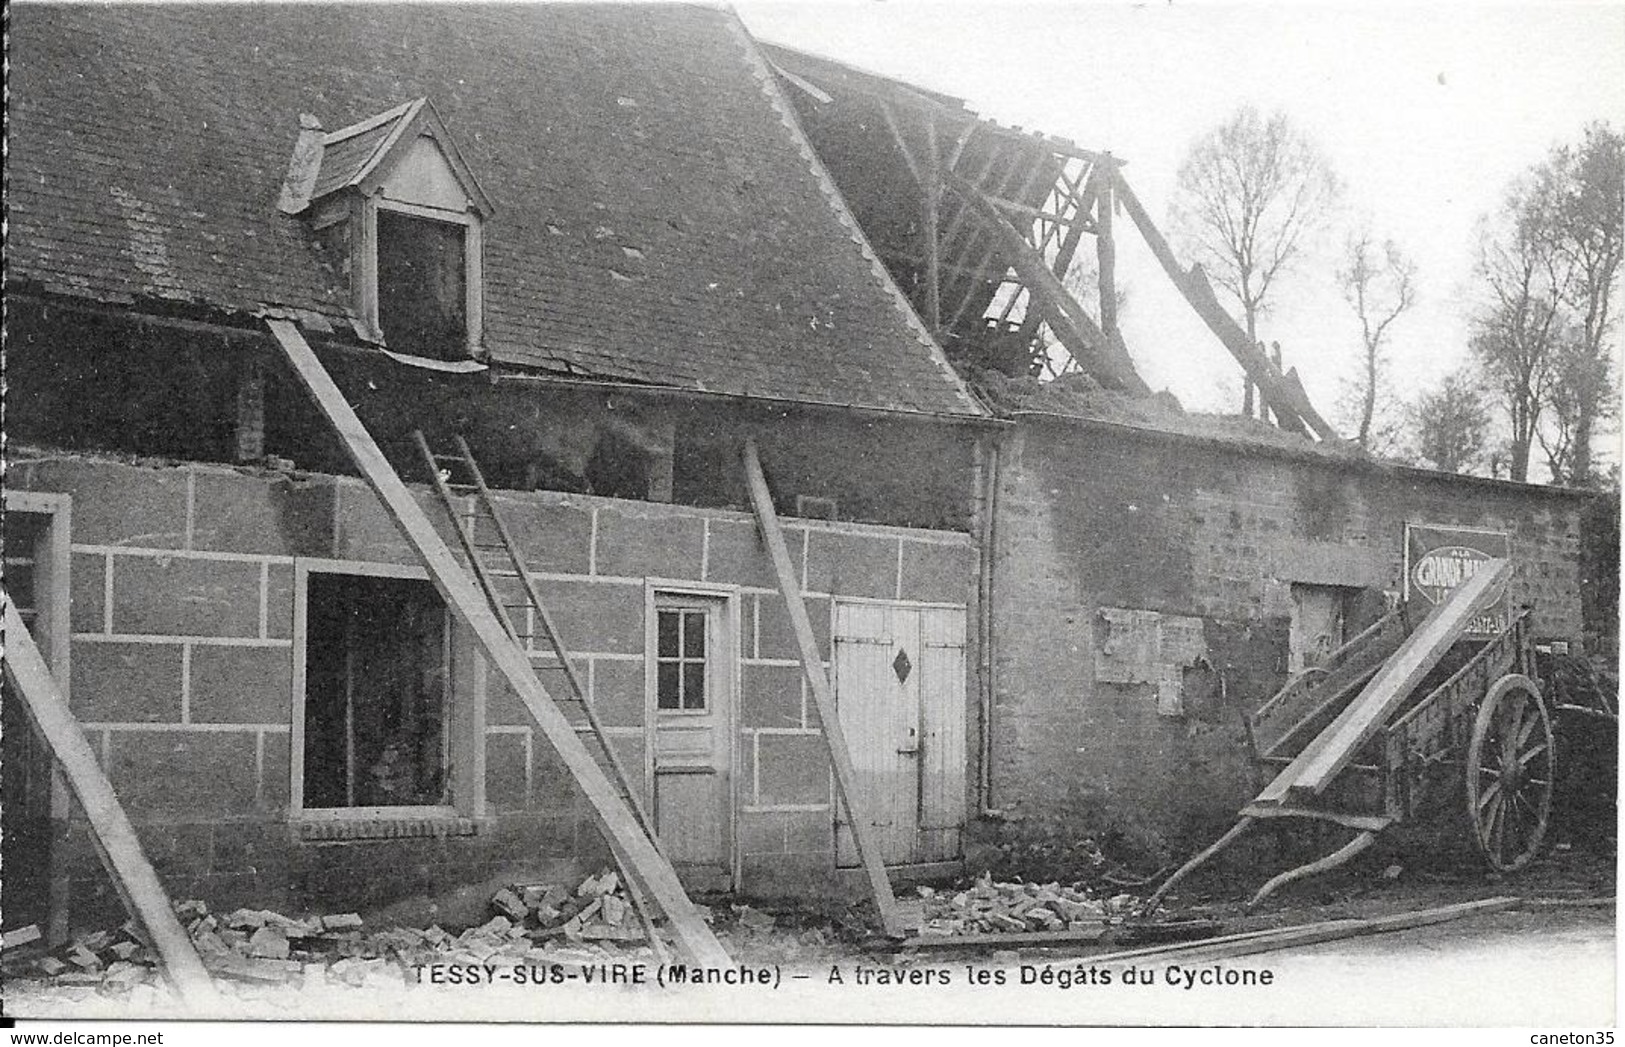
<point x="1509" y="773"/>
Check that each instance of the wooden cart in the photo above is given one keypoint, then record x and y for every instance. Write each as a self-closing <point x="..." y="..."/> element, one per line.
<point x="1404" y="713"/>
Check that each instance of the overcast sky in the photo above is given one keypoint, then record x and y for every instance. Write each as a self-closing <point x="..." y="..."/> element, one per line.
<point x="1425" y="112"/>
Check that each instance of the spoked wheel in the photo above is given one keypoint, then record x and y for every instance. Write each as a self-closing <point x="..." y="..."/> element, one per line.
<point x="1510" y="764"/>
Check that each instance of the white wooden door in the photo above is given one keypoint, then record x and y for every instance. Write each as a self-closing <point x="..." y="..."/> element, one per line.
<point x="691" y="676"/>
<point x="900" y="686"/>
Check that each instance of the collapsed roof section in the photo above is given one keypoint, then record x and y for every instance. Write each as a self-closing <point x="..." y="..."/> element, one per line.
<point x="982" y="224"/>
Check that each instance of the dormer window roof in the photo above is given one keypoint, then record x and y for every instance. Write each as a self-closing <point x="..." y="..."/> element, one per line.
<point x="393" y="195"/>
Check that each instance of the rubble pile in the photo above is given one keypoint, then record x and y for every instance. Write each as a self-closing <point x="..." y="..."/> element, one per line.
<point x="531" y="923"/>
<point x="993" y="907"/>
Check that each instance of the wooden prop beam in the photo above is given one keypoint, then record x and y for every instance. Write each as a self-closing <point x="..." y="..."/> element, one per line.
<point x="116" y="841"/>
<point x="1334" y="748"/>
<point x="1103" y="357"/>
<point x="1288" y="400"/>
<point x="812" y="664"/>
<point x="614" y="818"/>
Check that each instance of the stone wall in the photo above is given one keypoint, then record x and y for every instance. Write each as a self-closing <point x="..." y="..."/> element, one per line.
<point x="182" y="588"/>
<point x="1094" y="521"/>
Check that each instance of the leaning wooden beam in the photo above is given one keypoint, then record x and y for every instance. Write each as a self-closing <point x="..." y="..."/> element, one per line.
<point x="133" y="877"/>
<point x="812" y="664"/>
<point x="614" y="818"/>
<point x="1103" y="357"/>
<point x="1289" y="402"/>
<point x="1335" y="748"/>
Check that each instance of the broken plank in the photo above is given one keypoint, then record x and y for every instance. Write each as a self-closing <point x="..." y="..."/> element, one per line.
<point x="615" y="819"/>
<point x="115" y="837"/>
<point x="1334" y="748"/>
<point x="1003" y="941"/>
<point x="812" y="665"/>
<point x="20" y="936"/>
<point x="1276" y="938"/>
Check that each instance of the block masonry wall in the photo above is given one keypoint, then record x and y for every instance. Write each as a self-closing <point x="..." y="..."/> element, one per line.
<point x="1092" y="518"/>
<point x="182" y="606"/>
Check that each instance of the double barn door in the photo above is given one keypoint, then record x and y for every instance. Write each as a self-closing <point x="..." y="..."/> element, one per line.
<point x="900" y="686"/>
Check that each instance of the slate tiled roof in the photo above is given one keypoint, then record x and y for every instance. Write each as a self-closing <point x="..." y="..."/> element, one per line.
<point x="658" y="218"/>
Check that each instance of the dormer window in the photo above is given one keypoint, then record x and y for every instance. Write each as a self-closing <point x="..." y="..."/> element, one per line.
<point x="393" y="197"/>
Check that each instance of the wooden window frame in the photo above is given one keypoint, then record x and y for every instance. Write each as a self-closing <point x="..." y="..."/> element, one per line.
<point x="366" y="276"/>
<point x="721" y="643"/>
<point x="465" y="715"/>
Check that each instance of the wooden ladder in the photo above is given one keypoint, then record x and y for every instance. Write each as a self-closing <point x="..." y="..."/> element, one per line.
<point x="458" y="474"/>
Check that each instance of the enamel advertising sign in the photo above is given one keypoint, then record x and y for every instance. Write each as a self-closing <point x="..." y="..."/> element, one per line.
<point x="1439" y="558"/>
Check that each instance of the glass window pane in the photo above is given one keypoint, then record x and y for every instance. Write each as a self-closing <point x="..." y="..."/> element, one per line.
<point x="668" y="633"/>
<point x="666" y="696"/>
<point x="694" y="685"/>
<point x="694" y="634"/>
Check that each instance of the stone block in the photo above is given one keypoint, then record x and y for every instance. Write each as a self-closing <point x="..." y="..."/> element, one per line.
<point x="657" y="543"/>
<point x="505" y="708"/>
<point x="241" y="684"/>
<point x="761" y="832"/>
<point x="553" y="537"/>
<point x="736" y="555"/>
<point x="939" y="572"/>
<point x="276" y="772"/>
<point x="363" y="530"/>
<point x="774" y="636"/>
<point x="794" y="769"/>
<point x="746" y="763"/>
<point x="553" y="789"/>
<point x="181" y="596"/>
<point x="771" y="695"/>
<point x="183" y="773"/>
<point x="126" y="682"/>
<point x="238" y="513"/>
<point x="279" y="601"/>
<point x="116" y="504"/>
<point x="596" y="616"/>
<point x="618" y="691"/>
<point x="852" y="564"/>
<point x="87" y="590"/>
<point x="808" y="832"/>
<point x="505" y="772"/>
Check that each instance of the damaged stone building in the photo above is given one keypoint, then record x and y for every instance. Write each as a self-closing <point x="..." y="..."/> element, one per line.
<point x="607" y="247"/>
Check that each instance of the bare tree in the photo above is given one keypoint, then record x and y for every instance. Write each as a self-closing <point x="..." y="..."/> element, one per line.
<point x="1249" y="193"/>
<point x="1450" y="425"/>
<point x="1517" y="332"/>
<point x="1379" y="284"/>
<point x="1551" y="265"/>
<point x="1580" y="205"/>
